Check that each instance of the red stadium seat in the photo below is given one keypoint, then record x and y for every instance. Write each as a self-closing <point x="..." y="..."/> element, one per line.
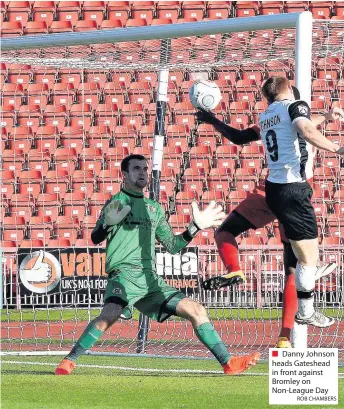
<point x="18" y="11"/>
<point x="75" y="204"/>
<point x="63" y="94"/>
<point x="338" y="208"/>
<point x="14" y="222"/>
<point x="249" y="169"/>
<point x="274" y="7"/>
<point x="109" y="24"/>
<point x="143" y="10"/>
<point x="83" y="181"/>
<point x="339" y="10"/>
<point x="60" y="242"/>
<point x="194" y="9"/>
<point x="168" y="9"/>
<point x="14" y="235"/>
<point x="85" y="25"/>
<point x="36" y="27"/>
<point x="118" y="10"/>
<point x="180" y="221"/>
<point x="246" y="8"/>
<point x="42" y="235"/>
<point x="93" y="10"/>
<point x="220" y="180"/>
<point x="136" y="22"/>
<point x="253" y="150"/>
<point x="100" y="198"/>
<point x="20" y="73"/>
<point x="32" y="243"/>
<point x="24" y="211"/>
<point x="69" y="11"/>
<point x="12" y="94"/>
<point x="171" y="166"/>
<point x="18" y="200"/>
<point x="294" y="7"/>
<point x="37" y="94"/>
<point x="91" y="159"/>
<point x="217" y="195"/>
<point x="201" y="152"/>
<point x="333" y="241"/>
<point x="240" y="121"/>
<point x="57" y="181"/>
<point x="65" y="158"/>
<point x="322" y="9"/>
<point x="44" y="11"/>
<point x="327" y="74"/>
<point x="89" y="222"/>
<point x="239" y="107"/>
<point x="320" y="210"/>
<point x="40" y="227"/>
<point x="229" y="151"/>
<point x="219" y="9"/>
<point x="61" y="27"/>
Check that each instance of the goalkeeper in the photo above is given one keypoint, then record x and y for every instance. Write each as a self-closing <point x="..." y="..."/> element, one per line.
<point x="131" y="223"/>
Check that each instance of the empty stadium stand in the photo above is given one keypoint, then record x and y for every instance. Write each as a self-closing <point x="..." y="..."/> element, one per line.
<point x="65" y="131"/>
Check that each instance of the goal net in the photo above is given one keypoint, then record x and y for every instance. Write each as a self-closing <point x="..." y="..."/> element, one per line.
<point x="69" y="116"/>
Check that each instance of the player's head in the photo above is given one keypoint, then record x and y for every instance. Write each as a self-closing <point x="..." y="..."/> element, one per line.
<point x="135" y="172"/>
<point x="276" y="88"/>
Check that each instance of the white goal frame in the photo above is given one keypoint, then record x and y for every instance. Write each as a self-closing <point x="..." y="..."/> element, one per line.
<point x="302" y="22"/>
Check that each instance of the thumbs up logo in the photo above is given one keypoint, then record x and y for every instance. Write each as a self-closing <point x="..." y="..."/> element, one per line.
<point x="40" y="272"/>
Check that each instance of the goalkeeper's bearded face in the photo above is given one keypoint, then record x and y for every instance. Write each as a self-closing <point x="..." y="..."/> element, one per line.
<point x="137" y="175"/>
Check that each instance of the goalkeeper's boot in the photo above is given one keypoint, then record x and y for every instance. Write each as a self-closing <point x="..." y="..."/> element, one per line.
<point x="318" y="319"/>
<point x="325" y="270"/>
<point x="66" y="367"/>
<point x="214" y="283"/>
<point x="127" y="313"/>
<point x="283" y="342"/>
<point x="238" y="364"/>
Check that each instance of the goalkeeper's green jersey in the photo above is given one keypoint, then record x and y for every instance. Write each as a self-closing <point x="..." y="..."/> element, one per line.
<point x="131" y="243"/>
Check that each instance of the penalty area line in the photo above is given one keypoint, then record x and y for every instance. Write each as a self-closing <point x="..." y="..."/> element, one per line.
<point x="125" y="368"/>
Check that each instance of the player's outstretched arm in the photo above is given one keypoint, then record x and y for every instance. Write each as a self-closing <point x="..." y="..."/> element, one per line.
<point x="112" y="214"/>
<point x="236" y="136"/>
<point x="211" y="216"/>
<point x="316" y="138"/>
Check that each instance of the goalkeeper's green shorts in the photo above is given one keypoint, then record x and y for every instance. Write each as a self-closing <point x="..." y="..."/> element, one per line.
<point x="146" y="291"/>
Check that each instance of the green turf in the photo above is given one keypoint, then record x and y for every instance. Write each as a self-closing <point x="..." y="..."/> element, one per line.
<point x="34" y="387"/>
<point x="50" y="315"/>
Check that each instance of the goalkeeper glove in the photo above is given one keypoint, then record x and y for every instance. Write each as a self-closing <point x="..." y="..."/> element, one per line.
<point x="115" y="213"/>
<point x="211" y="216"/>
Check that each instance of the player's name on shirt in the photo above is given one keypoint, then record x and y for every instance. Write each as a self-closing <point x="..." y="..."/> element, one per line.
<point x="268" y="123"/>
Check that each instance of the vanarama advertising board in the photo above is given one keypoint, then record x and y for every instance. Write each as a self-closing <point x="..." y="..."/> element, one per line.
<point x="77" y="276"/>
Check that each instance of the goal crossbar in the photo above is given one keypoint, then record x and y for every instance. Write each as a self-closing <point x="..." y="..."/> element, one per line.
<point x="229" y="25"/>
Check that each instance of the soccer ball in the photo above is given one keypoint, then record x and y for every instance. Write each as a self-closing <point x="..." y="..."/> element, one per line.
<point x="205" y="95"/>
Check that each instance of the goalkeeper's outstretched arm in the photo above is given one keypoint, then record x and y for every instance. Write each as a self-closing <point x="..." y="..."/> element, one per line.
<point x="212" y="216"/>
<point x="236" y="136"/>
<point x="99" y="233"/>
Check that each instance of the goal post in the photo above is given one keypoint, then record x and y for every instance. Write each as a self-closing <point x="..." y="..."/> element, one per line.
<point x="248" y="316"/>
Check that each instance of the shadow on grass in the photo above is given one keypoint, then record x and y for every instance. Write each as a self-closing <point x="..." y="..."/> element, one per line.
<point x="23" y="372"/>
<point x="117" y="373"/>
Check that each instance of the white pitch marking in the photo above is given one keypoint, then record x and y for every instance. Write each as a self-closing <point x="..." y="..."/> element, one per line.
<point x="125" y="368"/>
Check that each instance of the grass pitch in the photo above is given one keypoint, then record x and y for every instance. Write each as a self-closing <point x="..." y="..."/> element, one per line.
<point x="134" y="383"/>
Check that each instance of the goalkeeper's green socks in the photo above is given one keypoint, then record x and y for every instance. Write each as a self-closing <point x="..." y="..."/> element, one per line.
<point x="89" y="337"/>
<point x="208" y="335"/>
